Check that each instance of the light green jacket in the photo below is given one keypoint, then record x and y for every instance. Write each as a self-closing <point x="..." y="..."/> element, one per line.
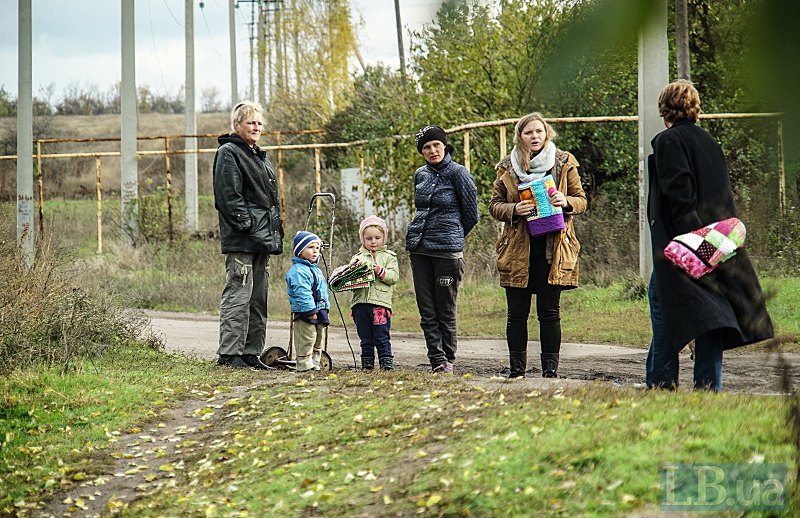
<point x="380" y="291"/>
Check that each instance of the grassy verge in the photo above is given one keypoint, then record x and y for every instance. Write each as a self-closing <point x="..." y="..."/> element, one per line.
<point x="378" y="444"/>
<point x="56" y="429"/>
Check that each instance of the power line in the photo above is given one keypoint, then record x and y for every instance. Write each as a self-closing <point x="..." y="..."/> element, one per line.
<point x="155" y="47"/>
<point x="172" y="14"/>
<point x="208" y="30"/>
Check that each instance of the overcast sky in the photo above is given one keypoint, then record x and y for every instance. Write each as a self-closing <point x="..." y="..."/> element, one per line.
<point x="78" y="41"/>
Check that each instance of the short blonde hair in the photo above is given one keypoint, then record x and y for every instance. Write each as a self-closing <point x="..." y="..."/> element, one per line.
<point x="679" y="100"/>
<point x="242" y="111"/>
<point x="524" y="154"/>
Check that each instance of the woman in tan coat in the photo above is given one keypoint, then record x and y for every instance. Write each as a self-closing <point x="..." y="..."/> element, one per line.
<point x="542" y="265"/>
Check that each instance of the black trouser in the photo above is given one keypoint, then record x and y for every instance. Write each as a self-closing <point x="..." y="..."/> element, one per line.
<point x="548" y="298"/>
<point x="373" y="324"/>
<point x="436" y="281"/>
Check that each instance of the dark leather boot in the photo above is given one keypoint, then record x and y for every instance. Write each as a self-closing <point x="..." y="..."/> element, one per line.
<point x="367" y="363"/>
<point x="549" y="365"/>
<point x="386" y="363"/>
<point x="255" y="362"/>
<point x="232" y="360"/>
<point x="517" y="361"/>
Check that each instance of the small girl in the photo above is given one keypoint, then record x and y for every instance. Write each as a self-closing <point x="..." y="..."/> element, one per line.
<point x="372" y="305"/>
<point x="308" y="296"/>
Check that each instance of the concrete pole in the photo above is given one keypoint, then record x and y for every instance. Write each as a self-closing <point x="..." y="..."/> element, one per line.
<point x="25" y="229"/>
<point x="261" y="49"/>
<point x="234" y="71"/>
<point x="400" y="46"/>
<point x="129" y="167"/>
<point x="252" y="52"/>
<point x="190" y="162"/>
<point x="682" y="40"/>
<point x="653" y="76"/>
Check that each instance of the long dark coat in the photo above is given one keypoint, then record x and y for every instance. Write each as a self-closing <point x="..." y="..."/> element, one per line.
<point x="690" y="188"/>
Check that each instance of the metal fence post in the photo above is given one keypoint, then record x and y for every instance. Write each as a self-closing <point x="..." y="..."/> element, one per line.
<point x="99" y="206"/>
<point x="281" y="192"/>
<point x="781" y="170"/>
<point x="361" y="187"/>
<point x="170" y="223"/>
<point x="318" y="178"/>
<point x="41" y="187"/>
<point x="466" y="149"/>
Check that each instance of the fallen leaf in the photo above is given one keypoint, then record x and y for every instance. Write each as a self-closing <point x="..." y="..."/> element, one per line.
<point x="434" y="499"/>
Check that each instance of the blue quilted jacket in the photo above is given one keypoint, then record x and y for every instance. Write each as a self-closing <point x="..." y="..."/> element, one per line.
<point x="446" y="202"/>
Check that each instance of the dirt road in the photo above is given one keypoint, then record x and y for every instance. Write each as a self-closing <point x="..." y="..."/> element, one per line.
<point x="744" y="370"/>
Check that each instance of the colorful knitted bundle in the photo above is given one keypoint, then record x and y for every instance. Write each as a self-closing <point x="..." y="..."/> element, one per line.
<point x="545" y="217"/>
<point x="701" y="251"/>
<point x="351" y="276"/>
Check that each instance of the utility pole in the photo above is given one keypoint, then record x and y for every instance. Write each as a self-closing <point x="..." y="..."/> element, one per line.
<point x="129" y="167"/>
<point x="400" y="46"/>
<point x="279" y="56"/>
<point x="653" y="77"/>
<point x="190" y="144"/>
<point x="298" y="86"/>
<point x="232" y="34"/>
<point x="262" y="47"/>
<point x="252" y="52"/>
<point x="682" y="39"/>
<point x="25" y="227"/>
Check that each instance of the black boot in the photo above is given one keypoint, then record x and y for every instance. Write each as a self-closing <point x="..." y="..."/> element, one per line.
<point x="386" y="363"/>
<point x="232" y="360"/>
<point x="255" y="362"/>
<point x="517" y="361"/>
<point x="367" y="363"/>
<point x="549" y="365"/>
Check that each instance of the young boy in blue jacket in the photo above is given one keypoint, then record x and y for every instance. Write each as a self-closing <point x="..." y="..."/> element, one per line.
<point x="308" y="296"/>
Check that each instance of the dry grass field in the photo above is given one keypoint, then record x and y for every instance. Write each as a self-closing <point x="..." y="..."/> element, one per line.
<point x="75" y="177"/>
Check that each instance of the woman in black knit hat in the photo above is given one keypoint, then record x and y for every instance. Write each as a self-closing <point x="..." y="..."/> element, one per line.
<point x="446" y="202"/>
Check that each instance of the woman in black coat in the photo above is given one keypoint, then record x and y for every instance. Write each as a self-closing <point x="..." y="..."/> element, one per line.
<point x="690" y="188"/>
<point x="446" y="203"/>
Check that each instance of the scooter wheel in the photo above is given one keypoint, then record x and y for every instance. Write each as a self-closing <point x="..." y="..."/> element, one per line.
<point x="272" y="355"/>
<point x="325" y="362"/>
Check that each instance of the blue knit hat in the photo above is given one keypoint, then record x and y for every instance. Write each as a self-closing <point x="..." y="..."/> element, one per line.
<point x="302" y="239"/>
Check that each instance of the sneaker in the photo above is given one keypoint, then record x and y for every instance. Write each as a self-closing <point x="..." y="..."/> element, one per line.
<point x="443" y="368"/>
<point x="316" y="364"/>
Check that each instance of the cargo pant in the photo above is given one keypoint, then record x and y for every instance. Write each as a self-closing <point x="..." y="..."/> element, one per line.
<point x="307" y="339"/>
<point x="243" y="305"/>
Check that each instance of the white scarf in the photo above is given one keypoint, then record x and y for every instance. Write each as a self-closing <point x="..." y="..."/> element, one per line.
<point x="537" y="165"/>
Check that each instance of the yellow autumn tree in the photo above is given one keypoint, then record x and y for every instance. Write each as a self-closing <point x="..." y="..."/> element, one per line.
<point x="310" y="48"/>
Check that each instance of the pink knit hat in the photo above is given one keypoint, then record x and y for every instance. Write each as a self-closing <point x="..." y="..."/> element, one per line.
<point x="372" y="221"/>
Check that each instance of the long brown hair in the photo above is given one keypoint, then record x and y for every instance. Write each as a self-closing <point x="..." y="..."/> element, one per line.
<point x="520" y="148"/>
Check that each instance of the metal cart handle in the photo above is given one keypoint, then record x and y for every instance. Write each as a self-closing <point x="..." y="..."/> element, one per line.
<point x="321" y="195"/>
